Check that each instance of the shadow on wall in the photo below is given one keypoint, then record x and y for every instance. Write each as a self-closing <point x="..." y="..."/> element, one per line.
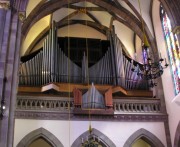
<point x="177" y="137"/>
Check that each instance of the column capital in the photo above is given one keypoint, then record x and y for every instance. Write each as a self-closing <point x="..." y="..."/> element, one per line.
<point x="22" y="16"/>
<point x="4" y="5"/>
<point x="176" y="30"/>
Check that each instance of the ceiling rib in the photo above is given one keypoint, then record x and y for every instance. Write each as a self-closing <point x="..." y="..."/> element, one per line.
<point x="109" y="7"/>
<point x="87" y="8"/>
<point x="93" y="18"/>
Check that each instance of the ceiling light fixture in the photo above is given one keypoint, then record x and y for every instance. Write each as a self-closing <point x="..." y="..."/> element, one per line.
<point x="150" y="69"/>
<point x="91" y="140"/>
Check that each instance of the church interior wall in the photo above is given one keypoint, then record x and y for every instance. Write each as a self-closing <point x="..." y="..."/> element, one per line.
<point x="172" y="107"/>
<point x="126" y="35"/>
<point x="145" y="8"/>
<point x="68" y="131"/>
<point x="117" y="132"/>
<point x="80" y="31"/>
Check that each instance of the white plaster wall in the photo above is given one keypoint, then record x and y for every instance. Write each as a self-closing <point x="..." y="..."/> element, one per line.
<point x="145" y="9"/>
<point x="173" y="108"/>
<point x="79" y="30"/>
<point x="31" y="5"/>
<point x="124" y="4"/>
<point x="61" y="13"/>
<point x="118" y="132"/>
<point x="126" y="36"/>
<point x="139" y="56"/>
<point x="38" y="45"/>
<point x="86" y="32"/>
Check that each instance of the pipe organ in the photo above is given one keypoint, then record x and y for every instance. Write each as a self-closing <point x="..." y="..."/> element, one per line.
<point x="93" y="102"/>
<point x="51" y="64"/>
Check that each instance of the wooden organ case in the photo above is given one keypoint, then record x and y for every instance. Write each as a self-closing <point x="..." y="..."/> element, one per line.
<point x="93" y="102"/>
<point x="51" y="64"/>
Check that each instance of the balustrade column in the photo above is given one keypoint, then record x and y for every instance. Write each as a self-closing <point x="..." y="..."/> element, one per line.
<point x="123" y="107"/>
<point x="114" y="106"/>
<point x="135" y="107"/>
<point x="30" y="104"/>
<point x="119" y="107"/>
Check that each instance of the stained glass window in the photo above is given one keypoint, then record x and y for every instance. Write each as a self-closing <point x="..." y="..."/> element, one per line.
<point x="173" y="49"/>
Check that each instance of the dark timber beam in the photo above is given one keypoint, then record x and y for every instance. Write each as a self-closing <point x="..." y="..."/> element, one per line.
<point x="77" y="12"/>
<point x="93" y="18"/>
<point x="69" y="16"/>
<point x="85" y="8"/>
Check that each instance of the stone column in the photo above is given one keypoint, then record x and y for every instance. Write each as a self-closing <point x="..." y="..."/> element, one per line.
<point x="10" y="35"/>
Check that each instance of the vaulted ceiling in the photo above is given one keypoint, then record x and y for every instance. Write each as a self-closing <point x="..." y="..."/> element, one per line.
<point x="96" y="16"/>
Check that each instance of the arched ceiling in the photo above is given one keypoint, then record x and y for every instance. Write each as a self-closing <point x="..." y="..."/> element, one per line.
<point x="99" y="15"/>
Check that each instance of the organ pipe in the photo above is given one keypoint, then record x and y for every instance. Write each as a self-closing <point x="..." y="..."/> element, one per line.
<point x="52" y="65"/>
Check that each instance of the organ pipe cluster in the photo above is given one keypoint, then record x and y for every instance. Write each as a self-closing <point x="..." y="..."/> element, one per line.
<point x="52" y="65"/>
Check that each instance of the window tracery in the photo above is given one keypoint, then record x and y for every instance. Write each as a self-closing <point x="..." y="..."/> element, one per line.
<point x="173" y="49"/>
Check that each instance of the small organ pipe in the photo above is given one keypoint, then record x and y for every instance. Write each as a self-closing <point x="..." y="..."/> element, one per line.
<point x="37" y="71"/>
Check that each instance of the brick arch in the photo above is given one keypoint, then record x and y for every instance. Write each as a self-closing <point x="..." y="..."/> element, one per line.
<point x="41" y="132"/>
<point x="103" y="138"/>
<point x="177" y="137"/>
<point x="144" y="135"/>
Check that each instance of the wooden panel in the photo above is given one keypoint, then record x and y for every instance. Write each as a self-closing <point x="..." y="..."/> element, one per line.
<point x="49" y="87"/>
<point x="79" y="111"/>
<point x="108" y="98"/>
<point x="77" y="97"/>
<point x="65" y="87"/>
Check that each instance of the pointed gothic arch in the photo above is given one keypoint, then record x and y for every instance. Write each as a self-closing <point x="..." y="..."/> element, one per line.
<point x="41" y="132"/>
<point x="144" y="135"/>
<point x="103" y="137"/>
<point x="177" y="136"/>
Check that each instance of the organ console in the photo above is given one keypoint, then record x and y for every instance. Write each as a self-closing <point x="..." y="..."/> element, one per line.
<point x="51" y="64"/>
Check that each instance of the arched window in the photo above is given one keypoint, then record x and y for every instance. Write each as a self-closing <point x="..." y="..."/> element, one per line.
<point x="141" y="142"/>
<point x="41" y="142"/>
<point x="173" y="49"/>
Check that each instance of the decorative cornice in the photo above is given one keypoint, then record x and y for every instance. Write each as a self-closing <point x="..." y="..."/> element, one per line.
<point x="116" y="117"/>
<point x="4" y="5"/>
<point x="176" y="30"/>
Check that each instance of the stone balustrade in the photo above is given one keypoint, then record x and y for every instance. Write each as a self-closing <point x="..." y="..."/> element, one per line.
<point x="60" y="104"/>
<point x="44" y="103"/>
<point x="137" y="106"/>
